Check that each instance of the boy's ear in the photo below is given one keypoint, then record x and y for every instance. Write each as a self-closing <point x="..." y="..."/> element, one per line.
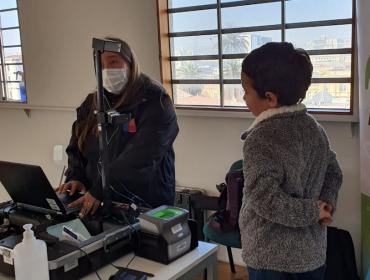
<point x="272" y="99"/>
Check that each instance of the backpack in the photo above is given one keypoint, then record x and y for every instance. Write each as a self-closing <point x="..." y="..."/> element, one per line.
<point x="340" y="256"/>
<point x="230" y="201"/>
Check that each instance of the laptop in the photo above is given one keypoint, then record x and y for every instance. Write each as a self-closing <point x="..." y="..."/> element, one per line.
<point x="29" y="188"/>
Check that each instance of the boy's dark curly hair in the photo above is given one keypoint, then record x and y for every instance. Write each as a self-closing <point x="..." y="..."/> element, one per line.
<point x="280" y="69"/>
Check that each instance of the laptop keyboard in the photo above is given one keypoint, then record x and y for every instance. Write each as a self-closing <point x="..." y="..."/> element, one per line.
<point x="72" y="209"/>
<point x="65" y="199"/>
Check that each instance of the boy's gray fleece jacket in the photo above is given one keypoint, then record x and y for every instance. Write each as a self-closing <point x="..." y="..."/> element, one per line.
<point x="288" y="167"/>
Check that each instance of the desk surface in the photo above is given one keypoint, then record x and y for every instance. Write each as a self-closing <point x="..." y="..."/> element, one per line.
<point x="161" y="271"/>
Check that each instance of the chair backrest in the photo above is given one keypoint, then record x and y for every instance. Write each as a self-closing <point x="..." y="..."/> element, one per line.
<point x="236" y="165"/>
<point x="340" y="256"/>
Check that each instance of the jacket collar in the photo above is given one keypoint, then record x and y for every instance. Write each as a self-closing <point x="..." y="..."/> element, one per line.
<point x="273" y="112"/>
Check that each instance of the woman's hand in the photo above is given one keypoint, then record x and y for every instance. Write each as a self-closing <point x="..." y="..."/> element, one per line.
<point x="73" y="186"/>
<point x="90" y="204"/>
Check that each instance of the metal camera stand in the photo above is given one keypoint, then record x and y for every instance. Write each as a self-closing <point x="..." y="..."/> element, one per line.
<point x="105" y="119"/>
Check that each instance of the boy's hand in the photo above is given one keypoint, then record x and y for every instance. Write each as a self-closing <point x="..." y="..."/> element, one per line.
<point x="325" y="217"/>
<point x="326" y="222"/>
<point x="328" y="208"/>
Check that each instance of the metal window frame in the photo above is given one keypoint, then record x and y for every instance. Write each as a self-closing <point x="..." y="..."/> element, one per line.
<point x="220" y="50"/>
<point x="283" y="26"/>
<point x="343" y="80"/>
<point x="9" y="10"/>
<point x="12" y="46"/>
<point x="223" y="5"/>
<point x="19" y="63"/>
<point x="10" y="28"/>
<point x="4" y="81"/>
<point x="4" y="91"/>
<point x="4" y="87"/>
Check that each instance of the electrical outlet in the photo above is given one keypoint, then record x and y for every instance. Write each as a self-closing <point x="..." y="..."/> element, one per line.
<point x="60" y="156"/>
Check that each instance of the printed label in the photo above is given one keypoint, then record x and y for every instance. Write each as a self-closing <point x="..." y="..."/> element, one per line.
<point x="7" y="257"/>
<point x="70" y="265"/>
<point x="133" y="206"/>
<point x="53" y="205"/>
<point x="182" y="246"/>
<point x="176" y="228"/>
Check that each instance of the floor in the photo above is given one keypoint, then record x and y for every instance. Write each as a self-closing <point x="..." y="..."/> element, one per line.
<point x="224" y="272"/>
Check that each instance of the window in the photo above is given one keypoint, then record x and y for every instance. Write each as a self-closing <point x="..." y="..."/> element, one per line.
<point x="215" y="35"/>
<point x="11" y="63"/>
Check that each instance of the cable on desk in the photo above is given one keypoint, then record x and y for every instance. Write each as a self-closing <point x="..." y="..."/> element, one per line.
<point x="88" y="257"/>
<point x="138" y="247"/>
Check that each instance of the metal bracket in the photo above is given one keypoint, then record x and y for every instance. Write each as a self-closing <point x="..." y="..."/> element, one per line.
<point x="28" y="112"/>
<point x="112" y="237"/>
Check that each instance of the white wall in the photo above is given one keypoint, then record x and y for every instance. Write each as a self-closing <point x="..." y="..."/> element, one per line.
<point x="56" y="37"/>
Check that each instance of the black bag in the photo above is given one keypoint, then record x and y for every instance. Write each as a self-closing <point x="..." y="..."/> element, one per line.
<point x="227" y="219"/>
<point x="340" y="256"/>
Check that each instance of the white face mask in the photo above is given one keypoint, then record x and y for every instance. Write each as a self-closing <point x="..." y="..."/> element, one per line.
<point x="115" y="80"/>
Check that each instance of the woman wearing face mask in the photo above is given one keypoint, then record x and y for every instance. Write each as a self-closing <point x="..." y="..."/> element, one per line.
<point x="141" y="153"/>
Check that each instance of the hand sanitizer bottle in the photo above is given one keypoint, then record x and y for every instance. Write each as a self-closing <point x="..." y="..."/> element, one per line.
<point x="30" y="257"/>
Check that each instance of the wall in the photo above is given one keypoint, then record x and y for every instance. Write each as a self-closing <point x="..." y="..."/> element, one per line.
<point x="59" y="73"/>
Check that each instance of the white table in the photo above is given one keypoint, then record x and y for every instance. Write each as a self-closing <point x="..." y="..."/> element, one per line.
<point x="185" y="268"/>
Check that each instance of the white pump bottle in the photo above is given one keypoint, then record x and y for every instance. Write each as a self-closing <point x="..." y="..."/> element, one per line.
<point x="30" y="257"/>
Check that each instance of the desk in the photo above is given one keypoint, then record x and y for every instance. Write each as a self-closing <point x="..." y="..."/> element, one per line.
<point x="185" y="268"/>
